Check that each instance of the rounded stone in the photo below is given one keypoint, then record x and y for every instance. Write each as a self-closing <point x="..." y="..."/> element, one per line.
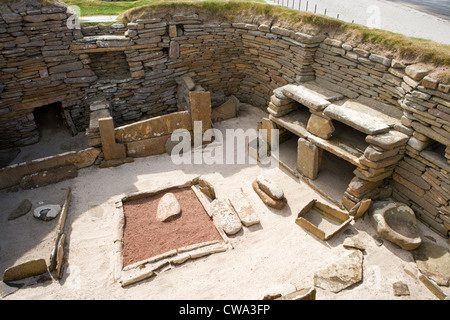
<point x="270" y="187"/>
<point x="168" y="207"/>
<point x="47" y="212"/>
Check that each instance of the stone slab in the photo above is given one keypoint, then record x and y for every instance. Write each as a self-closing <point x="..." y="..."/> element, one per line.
<point x="321" y="127"/>
<point x="388" y="140"/>
<point x="243" y="208"/>
<point x="225" y="216"/>
<point x="434" y="262"/>
<point x="25" y="270"/>
<point x="154" y="127"/>
<point x="111" y="149"/>
<point x="341" y="274"/>
<point x="147" y="147"/>
<point x="50" y="176"/>
<point x="305" y="96"/>
<point x="308" y="158"/>
<point x="358" y="116"/>
<point x="200" y="103"/>
<point x="23" y="208"/>
<point x="295" y="122"/>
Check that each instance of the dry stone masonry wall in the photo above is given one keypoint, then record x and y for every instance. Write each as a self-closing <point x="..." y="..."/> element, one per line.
<point x="142" y="70"/>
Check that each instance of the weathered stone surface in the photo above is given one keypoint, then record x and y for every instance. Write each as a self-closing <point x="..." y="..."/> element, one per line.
<point x="201" y="108"/>
<point x="396" y="222"/>
<point x="243" y="208"/>
<point x="225" y="216"/>
<point x="23" y="208"/>
<point x="359" y="117"/>
<point x="321" y="127"/>
<point x="226" y="111"/>
<point x="354" y="242"/>
<point x="111" y="149"/>
<point x="374" y="155"/>
<point x="47" y="212"/>
<point x="309" y="158"/>
<point x="305" y="96"/>
<point x="168" y="207"/>
<point x="400" y="289"/>
<point x="174" y="50"/>
<point x="343" y="273"/>
<point x="24" y="270"/>
<point x="417" y="71"/>
<point x="154" y="127"/>
<point x="388" y="140"/>
<point x="359" y="187"/>
<point x="270" y="187"/>
<point x="50" y="176"/>
<point x="434" y="262"/>
<point x="147" y="147"/>
<point x="269" y="201"/>
<point x="207" y="188"/>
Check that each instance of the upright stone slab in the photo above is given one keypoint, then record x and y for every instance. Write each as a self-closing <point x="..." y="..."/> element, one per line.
<point x="201" y="108"/>
<point x="111" y="149"/>
<point x="321" y="127"/>
<point x="309" y="157"/>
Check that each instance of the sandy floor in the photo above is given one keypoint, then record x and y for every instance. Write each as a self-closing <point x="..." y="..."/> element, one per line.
<point x="275" y="252"/>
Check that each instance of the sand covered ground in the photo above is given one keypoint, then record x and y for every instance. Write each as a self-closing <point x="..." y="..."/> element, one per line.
<point x="275" y="252"/>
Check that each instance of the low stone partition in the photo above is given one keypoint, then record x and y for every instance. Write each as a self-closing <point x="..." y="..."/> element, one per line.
<point x="13" y="175"/>
<point x="141" y="75"/>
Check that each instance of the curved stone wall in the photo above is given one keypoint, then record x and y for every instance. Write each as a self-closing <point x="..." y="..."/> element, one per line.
<point x="44" y="60"/>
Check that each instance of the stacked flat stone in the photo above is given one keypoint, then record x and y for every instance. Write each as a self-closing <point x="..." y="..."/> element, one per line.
<point x="43" y="60"/>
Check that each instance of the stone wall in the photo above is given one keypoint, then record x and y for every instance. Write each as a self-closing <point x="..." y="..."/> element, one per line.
<point x="137" y="70"/>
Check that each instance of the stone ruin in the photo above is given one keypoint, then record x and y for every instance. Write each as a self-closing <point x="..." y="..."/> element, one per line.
<point x="128" y="87"/>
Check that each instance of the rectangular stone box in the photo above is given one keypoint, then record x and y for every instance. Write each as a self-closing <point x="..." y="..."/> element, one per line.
<point x="322" y="220"/>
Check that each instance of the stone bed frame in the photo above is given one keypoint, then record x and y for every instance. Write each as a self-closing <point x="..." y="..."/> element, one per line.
<point x="48" y="62"/>
<point x="152" y="266"/>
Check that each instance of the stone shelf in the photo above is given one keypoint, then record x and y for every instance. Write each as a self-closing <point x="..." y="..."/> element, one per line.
<point x="343" y="145"/>
<point x="361" y="117"/>
<point x="294" y="121"/>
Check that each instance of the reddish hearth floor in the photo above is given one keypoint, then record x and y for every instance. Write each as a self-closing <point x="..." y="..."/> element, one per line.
<point x="144" y="236"/>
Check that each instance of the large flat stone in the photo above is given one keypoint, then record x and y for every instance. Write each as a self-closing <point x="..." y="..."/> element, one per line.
<point x="24" y="270"/>
<point x="434" y="262"/>
<point x="50" y="176"/>
<point x="359" y="117"/>
<point x="343" y="273"/>
<point x="243" y="208"/>
<point x="305" y="96"/>
<point x="225" y="216"/>
<point x="388" y="140"/>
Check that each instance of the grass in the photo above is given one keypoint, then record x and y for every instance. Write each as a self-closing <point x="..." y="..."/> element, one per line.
<point x="257" y="11"/>
<point x="97" y="7"/>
